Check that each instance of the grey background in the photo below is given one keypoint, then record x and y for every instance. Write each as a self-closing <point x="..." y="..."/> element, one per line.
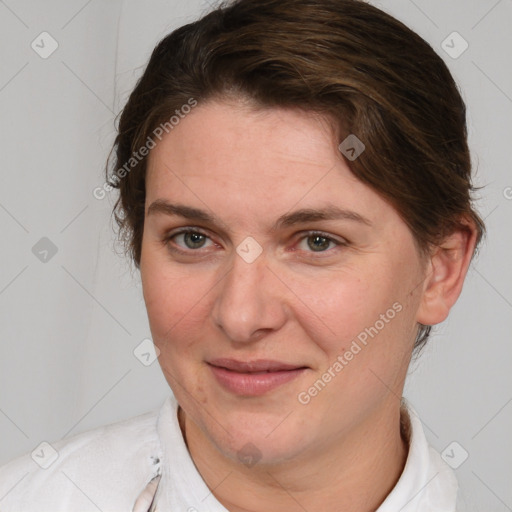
<point x="69" y="326"/>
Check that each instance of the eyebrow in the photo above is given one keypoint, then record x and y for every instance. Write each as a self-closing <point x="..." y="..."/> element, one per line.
<point x="328" y="212"/>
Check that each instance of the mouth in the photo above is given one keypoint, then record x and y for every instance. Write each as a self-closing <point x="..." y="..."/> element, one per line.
<point x="259" y="366"/>
<point x="253" y="378"/>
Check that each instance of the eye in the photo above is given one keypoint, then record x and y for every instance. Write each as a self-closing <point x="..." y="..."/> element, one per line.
<point x="318" y="242"/>
<point x="192" y="240"/>
<point x="189" y="240"/>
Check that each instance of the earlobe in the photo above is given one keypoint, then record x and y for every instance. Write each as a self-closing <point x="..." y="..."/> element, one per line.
<point x="445" y="273"/>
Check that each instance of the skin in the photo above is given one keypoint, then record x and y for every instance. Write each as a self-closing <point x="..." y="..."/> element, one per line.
<point x="247" y="167"/>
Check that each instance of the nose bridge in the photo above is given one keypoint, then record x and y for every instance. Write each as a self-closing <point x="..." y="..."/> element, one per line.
<point x="247" y="301"/>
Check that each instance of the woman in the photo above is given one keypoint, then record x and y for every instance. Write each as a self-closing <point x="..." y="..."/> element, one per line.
<point x="295" y="188"/>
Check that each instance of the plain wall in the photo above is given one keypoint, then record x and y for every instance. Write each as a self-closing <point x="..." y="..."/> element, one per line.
<point x="69" y="325"/>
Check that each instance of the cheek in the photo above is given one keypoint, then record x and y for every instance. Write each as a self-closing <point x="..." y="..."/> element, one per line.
<point x="344" y="304"/>
<point x="367" y="314"/>
<point x="174" y="301"/>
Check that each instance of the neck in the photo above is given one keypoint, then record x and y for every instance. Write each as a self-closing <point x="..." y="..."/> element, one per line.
<point x="353" y="474"/>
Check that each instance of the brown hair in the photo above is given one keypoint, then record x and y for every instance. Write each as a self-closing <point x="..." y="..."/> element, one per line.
<point x="346" y="59"/>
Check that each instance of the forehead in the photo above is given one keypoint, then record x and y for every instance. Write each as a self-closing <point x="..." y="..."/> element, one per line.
<point x="229" y="157"/>
<point x="224" y="132"/>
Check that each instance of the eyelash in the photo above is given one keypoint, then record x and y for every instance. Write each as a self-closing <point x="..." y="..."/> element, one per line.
<point x="306" y="235"/>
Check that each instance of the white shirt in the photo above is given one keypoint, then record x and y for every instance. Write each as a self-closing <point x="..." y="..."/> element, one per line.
<point x="128" y="465"/>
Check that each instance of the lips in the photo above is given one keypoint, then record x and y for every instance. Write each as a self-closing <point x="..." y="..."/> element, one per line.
<point x="255" y="367"/>
<point x="254" y="378"/>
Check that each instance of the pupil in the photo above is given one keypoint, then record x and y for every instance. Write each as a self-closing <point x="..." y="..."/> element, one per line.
<point x="324" y="243"/>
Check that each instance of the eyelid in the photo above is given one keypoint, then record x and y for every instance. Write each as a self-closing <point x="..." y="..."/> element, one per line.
<point x="186" y="229"/>
<point x="323" y="234"/>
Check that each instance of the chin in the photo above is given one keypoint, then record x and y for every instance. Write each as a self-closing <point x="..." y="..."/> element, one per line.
<point x="263" y="438"/>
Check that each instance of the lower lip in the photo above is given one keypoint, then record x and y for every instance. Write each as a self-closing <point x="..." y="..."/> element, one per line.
<point x="252" y="384"/>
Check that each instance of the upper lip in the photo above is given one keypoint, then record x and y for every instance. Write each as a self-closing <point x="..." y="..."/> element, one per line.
<point x="259" y="365"/>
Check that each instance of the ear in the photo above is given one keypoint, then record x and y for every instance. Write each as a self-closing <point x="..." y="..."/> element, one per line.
<point x="445" y="273"/>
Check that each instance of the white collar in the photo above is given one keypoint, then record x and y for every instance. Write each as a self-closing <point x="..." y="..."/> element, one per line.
<point x="427" y="483"/>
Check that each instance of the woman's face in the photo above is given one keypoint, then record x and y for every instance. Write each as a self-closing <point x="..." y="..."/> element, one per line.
<point x="253" y="263"/>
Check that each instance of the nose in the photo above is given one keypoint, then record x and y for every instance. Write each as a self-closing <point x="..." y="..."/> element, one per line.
<point x="250" y="301"/>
